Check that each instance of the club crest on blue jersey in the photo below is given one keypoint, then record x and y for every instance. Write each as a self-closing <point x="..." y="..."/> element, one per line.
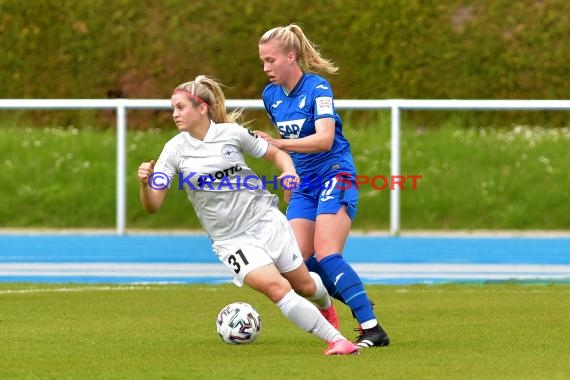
<point x="290" y="129"/>
<point x="302" y="100"/>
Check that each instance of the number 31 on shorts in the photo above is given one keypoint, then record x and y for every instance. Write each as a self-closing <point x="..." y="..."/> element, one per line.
<point x="237" y="260"/>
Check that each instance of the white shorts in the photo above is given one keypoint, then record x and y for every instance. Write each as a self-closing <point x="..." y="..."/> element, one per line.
<point x="269" y="241"/>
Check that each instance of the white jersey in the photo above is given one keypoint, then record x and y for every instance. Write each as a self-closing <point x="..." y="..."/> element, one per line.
<point x="226" y="194"/>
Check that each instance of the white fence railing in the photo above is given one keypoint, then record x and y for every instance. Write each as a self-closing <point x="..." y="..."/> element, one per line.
<point x="394" y="105"/>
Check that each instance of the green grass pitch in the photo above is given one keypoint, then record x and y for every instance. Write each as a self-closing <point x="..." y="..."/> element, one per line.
<point x="464" y="331"/>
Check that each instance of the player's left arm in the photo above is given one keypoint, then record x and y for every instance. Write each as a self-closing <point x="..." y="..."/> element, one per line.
<point x="321" y="141"/>
<point x="324" y="118"/>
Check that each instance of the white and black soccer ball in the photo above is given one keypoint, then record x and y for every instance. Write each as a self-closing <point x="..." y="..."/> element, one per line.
<point x="238" y="323"/>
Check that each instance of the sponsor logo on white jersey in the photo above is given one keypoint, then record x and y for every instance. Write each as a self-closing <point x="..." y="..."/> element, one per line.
<point x="290" y="129"/>
<point x="208" y="179"/>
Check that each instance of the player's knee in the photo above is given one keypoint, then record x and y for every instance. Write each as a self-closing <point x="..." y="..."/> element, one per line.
<point x="276" y="289"/>
<point x="306" y="288"/>
<point x="307" y="254"/>
<point x="306" y="247"/>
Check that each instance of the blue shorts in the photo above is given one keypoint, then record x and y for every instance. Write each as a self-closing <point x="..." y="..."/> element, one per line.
<point x="308" y="203"/>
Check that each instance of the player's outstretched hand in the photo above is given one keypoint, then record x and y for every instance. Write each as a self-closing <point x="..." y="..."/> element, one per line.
<point x="289" y="180"/>
<point x="145" y="171"/>
<point x="264" y="135"/>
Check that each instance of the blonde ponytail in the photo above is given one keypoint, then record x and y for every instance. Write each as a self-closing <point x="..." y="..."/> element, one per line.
<point x="292" y="38"/>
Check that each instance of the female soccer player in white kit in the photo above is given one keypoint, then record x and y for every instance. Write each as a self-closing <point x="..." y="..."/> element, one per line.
<point x="249" y="233"/>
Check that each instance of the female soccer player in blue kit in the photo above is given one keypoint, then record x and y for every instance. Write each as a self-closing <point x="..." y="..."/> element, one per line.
<point x="320" y="210"/>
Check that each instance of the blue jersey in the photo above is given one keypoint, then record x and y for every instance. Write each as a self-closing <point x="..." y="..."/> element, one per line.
<point x="294" y="115"/>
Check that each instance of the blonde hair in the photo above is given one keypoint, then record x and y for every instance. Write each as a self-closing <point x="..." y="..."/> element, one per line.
<point x="204" y="89"/>
<point x="292" y="38"/>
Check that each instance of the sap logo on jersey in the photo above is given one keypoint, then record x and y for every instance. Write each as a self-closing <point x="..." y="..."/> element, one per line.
<point x="290" y="129"/>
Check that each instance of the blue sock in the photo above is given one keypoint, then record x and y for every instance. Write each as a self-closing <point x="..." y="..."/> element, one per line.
<point x="349" y="285"/>
<point x="314" y="266"/>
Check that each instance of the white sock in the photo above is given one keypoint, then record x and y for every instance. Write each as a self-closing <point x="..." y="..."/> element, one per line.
<point x="307" y="317"/>
<point x="321" y="297"/>
<point x="369" y="324"/>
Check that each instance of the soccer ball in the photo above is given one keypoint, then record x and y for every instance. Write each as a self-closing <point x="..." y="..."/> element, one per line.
<point x="238" y="323"/>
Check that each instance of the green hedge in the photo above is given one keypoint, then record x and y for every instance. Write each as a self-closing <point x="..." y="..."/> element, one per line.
<point x="386" y="49"/>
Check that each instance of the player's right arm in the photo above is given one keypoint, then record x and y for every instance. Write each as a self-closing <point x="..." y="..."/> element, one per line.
<point x="151" y="199"/>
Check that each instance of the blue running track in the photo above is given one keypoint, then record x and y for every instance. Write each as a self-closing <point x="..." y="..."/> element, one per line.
<point x="189" y="259"/>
